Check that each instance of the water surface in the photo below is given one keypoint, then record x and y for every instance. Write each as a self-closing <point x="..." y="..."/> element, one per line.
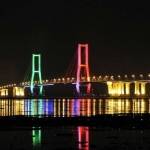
<point x="73" y="107"/>
<point x="74" y="137"/>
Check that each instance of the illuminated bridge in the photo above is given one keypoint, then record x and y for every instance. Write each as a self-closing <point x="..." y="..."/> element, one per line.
<point x="115" y="86"/>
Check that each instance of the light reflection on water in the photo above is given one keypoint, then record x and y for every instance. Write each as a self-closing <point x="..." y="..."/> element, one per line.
<point x="83" y="138"/>
<point x="74" y="137"/>
<point x="73" y="107"/>
<point x="36" y="137"/>
<point x="81" y="134"/>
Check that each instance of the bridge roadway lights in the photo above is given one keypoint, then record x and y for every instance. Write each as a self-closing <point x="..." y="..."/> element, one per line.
<point x="36" y="70"/>
<point x="83" y="66"/>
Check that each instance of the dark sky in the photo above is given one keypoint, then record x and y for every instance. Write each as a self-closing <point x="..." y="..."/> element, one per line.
<point x="118" y="33"/>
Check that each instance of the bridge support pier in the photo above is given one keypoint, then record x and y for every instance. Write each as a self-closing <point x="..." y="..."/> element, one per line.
<point x="12" y="92"/>
<point x="18" y="92"/>
<point x="127" y="88"/>
<point x="4" y="92"/>
<point x="140" y="88"/>
<point x="118" y="88"/>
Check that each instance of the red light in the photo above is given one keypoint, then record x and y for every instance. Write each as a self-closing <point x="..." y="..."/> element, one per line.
<point x="83" y="63"/>
<point x="83" y="138"/>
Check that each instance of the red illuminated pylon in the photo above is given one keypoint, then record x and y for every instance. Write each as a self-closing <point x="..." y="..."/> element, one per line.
<point x="83" y="65"/>
<point x="83" y="62"/>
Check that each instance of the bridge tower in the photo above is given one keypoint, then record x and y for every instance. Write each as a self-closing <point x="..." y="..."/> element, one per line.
<point x="36" y="72"/>
<point x="83" y="66"/>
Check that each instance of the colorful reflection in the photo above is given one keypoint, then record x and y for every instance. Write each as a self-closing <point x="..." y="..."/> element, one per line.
<point x="72" y="107"/>
<point x="83" y="138"/>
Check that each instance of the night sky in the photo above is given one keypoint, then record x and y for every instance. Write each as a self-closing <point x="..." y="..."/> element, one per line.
<point x="118" y="33"/>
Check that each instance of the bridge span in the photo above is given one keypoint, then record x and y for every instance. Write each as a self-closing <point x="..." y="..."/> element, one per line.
<point x="114" y="88"/>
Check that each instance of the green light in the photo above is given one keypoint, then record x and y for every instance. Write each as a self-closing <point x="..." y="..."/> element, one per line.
<point x="40" y="108"/>
<point x="34" y="108"/>
<point x="36" y="137"/>
<point x="36" y="70"/>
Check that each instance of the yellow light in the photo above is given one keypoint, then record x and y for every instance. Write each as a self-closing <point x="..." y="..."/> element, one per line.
<point x="126" y="76"/>
<point x="55" y="108"/>
<point x="116" y="88"/>
<point x="119" y="76"/>
<point x="143" y="87"/>
<point x="100" y="77"/>
<point x="18" y="91"/>
<point x="94" y="77"/>
<point x="63" y="108"/>
<point x="137" y="92"/>
<point x="59" y="109"/>
<point x="133" y="76"/>
<point x="110" y="106"/>
<point x="68" y="114"/>
<point x="4" y="92"/>
<point x="110" y="89"/>
<point x="127" y="88"/>
<point x="112" y="77"/>
<point x="143" y="106"/>
<point x="141" y="75"/>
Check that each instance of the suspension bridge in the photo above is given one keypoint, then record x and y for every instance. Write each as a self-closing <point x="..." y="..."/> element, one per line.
<point x="126" y="86"/>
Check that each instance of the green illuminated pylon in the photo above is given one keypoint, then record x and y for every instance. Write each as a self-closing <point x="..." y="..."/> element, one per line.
<point x="36" y="70"/>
